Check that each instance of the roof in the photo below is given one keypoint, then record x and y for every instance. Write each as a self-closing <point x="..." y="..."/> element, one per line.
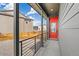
<point x="11" y="14"/>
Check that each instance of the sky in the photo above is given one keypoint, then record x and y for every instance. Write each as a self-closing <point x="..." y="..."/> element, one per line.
<point x="6" y="6"/>
<point x="29" y="11"/>
<point x="25" y="9"/>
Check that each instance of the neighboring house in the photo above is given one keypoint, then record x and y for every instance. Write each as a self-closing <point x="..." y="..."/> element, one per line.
<point x="7" y="22"/>
<point x="7" y="26"/>
<point x="38" y="28"/>
<point x="35" y="28"/>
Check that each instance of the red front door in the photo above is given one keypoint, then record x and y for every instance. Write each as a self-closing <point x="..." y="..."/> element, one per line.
<point x="53" y="28"/>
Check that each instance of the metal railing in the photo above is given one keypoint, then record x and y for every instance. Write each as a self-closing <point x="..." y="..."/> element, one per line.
<point x="30" y="46"/>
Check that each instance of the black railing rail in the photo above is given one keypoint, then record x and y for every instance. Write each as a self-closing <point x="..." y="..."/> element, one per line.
<point x="29" y="38"/>
<point x="30" y="46"/>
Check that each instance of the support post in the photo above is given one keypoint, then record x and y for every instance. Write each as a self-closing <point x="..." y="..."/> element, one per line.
<point x="42" y="29"/>
<point x="16" y="29"/>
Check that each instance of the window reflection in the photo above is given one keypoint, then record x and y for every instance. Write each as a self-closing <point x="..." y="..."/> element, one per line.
<point x="6" y="29"/>
<point x="30" y="29"/>
<point x="32" y="21"/>
<point x="44" y="29"/>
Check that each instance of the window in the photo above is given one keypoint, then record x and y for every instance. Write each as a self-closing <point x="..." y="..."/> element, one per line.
<point x="30" y="27"/>
<point x="44" y="29"/>
<point x="53" y="27"/>
<point x="6" y="29"/>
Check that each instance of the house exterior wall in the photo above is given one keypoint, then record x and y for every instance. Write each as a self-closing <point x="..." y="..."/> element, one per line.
<point x="69" y="29"/>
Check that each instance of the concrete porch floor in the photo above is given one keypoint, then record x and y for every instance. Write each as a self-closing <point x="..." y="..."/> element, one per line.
<point x="51" y="48"/>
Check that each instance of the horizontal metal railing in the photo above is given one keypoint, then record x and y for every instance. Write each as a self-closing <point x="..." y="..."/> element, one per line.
<point x="30" y="46"/>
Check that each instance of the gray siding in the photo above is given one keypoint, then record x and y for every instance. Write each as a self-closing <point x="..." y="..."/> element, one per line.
<point x="69" y="29"/>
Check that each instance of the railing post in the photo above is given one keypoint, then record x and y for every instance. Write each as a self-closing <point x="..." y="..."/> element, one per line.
<point x="21" y="48"/>
<point x="45" y="37"/>
<point x="35" y="45"/>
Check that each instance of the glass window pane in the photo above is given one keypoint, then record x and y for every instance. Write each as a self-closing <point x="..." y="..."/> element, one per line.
<point x="6" y="29"/>
<point x="44" y="29"/>
<point x="44" y="25"/>
<point x="30" y="29"/>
